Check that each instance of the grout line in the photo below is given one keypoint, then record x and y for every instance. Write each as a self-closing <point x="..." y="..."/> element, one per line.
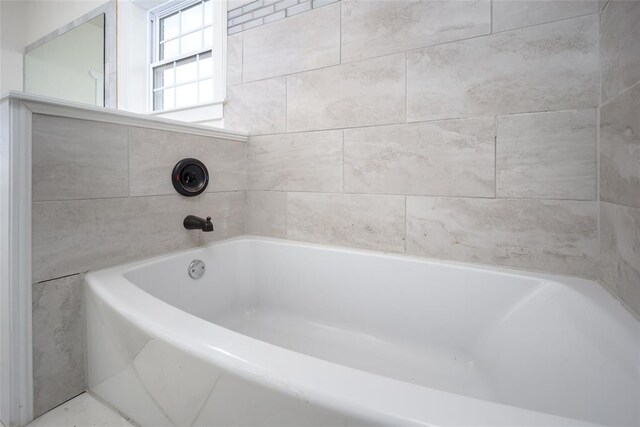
<point x="143" y="196"/>
<point x="417" y="122"/>
<point x="431" y="196"/>
<point x="545" y="23"/>
<point x="491" y="16"/>
<point x="495" y="157"/>
<point x="58" y="278"/>
<point x="343" y="188"/>
<point x="406" y="88"/>
<point x="405" y="224"/>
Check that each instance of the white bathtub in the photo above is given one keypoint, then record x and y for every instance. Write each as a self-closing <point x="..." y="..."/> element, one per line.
<point x="281" y="333"/>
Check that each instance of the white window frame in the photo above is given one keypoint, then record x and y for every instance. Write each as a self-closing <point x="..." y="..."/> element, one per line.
<point x="198" y="113"/>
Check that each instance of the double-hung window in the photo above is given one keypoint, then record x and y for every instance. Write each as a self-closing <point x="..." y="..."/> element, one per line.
<point x="187" y="57"/>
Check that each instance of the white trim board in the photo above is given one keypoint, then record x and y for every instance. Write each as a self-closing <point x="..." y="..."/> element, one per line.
<point x="54" y="107"/>
<point x="16" y="109"/>
<point x="16" y="370"/>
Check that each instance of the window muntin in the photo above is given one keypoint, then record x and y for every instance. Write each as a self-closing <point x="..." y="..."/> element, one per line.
<point x="182" y="71"/>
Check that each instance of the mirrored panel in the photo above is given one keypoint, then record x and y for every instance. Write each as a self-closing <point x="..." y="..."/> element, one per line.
<point x="70" y="66"/>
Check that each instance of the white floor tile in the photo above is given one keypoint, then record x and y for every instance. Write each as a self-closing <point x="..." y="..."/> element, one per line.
<point x="81" y="411"/>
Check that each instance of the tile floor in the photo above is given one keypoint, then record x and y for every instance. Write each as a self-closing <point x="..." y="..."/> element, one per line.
<point x="81" y="411"/>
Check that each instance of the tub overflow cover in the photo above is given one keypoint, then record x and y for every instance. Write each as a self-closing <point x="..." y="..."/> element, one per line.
<point x="196" y="269"/>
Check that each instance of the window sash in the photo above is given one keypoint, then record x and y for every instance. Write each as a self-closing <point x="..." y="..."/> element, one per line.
<point x="213" y="47"/>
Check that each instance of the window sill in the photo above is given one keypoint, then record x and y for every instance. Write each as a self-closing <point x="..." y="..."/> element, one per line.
<point x="194" y="114"/>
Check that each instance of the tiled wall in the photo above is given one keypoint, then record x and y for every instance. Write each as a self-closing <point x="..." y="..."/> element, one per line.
<point x="620" y="151"/>
<point x="259" y="12"/>
<point x="460" y="130"/>
<point x="102" y="196"/>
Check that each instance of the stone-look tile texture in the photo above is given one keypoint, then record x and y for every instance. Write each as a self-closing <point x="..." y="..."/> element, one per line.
<point x="421" y="93"/>
<point x="304" y="42"/>
<point x="547" y="155"/>
<point x="154" y="153"/>
<point x="443" y="158"/>
<point x="557" y="236"/>
<point x="620" y="149"/>
<point x="510" y="14"/>
<point x="67" y="164"/>
<point x="228" y="211"/>
<point x="619" y="47"/>
<point x="234" y="59"/>
<point x="375" y="28"/>
<point x="365" y="221"/>
<point x="267" y="213"/>
<point x="122" y="207"/>
<point x="58" y="342"/>
<point x="361" y="93"/>
<point x="257" y="107"/>
<point x="547" y="67"/>
<point x="309" y="161"/>
<point x="620" y="246"/>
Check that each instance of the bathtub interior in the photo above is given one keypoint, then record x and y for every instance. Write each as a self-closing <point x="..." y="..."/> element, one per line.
<point x="526" y="341"/>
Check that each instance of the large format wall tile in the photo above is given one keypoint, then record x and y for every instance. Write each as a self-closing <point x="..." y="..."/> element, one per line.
<point x="367" y="221"/>
<point x="547" y="155"/>
<point x="620" y="246"/>
<point x="267" y="213"/>
<point x="374" y="28"/>
<point x="154" y="153"/>
<point x="58" y="342"/>
<point x="303" y="42"/>
<point x="362" y="93"/>
<point x="257" y="107"/>
<point x="309" y="161"/>
<point x="227" y="211"/>
<point x="510" y="14"/>
<point x="556" y="236"/>
<point x="234" y="59"/>
<point x="81" y="235"/>
<point x="620" y="149"/>
<point x="75" y="159"/>
<point x="619" y="47"/>
<point x="547" y="67"/>
<point x="446" y="158"/>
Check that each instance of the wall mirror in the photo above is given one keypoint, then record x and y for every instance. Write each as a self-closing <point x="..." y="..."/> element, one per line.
<point x="77" y="61"/>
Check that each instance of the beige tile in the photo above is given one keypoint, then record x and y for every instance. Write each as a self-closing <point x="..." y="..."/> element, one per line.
<point x="58" y="342"/>
<point x="227" y="212"/>
<point x="154" y="153"/>
<point x="362" y="93"/>
<point x="75" y="159"/>
<point x="620" y="149"/>
<point x="257" y="107"/>
<point x="77" y="236"/>
<point x="555" y="236"/>
<point x="374" y="28"/>
<point x="446" y="158"/>
<point x="547" y="67"/>
<point x="620" y="246"/>
<point x="299" y="43"/>
<point x="267" y="213"/>
<point x="366" y="221"/>
<point x="510" y="14"/>
<point x="310" y="161"/>
<point x="234" y="59"/>
<point x="547" y="155"/>
<point x="619" y="47"/>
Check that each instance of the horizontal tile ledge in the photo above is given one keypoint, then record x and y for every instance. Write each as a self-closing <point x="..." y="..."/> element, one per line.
<point x="55" y="107"/>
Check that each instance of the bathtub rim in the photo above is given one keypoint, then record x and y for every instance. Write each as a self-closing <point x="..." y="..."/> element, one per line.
<point x="307" y="376"/>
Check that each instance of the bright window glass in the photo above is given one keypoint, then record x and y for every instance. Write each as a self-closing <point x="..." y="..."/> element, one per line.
<point x="183" y="67"/>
